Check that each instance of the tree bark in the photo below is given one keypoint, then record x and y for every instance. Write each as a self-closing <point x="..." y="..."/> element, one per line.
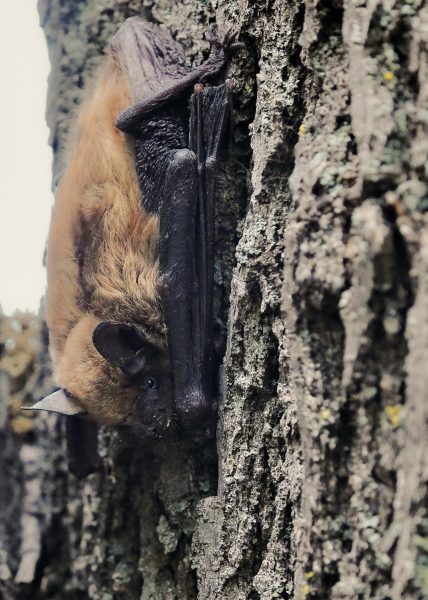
<point x="318" y="485"/>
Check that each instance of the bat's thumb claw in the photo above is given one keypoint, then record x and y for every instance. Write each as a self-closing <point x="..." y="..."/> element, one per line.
<point x="213" y="36"/>
<point x="192" y="408"/>
<point x="225" y="43"/>
<point x="237" y="46"/>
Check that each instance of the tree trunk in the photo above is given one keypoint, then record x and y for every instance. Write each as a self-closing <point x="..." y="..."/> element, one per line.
<point x="318" y="488"/>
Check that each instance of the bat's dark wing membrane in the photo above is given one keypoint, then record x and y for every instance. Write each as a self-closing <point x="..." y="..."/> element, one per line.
<point x="150" y="57"/>
<point x="210" y="118"/>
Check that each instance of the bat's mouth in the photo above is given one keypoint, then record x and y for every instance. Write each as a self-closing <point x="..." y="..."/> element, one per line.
<point x="157" y="426"/>
<point x="161" y="428"/>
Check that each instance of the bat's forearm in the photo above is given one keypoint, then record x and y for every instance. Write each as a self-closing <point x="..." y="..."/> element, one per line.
<point x="128" y="120"/>
<point x="179" y="286"/>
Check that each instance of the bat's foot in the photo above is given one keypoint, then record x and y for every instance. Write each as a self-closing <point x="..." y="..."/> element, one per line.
<point x="227" y="43"/>
<point x="221" y="49"/>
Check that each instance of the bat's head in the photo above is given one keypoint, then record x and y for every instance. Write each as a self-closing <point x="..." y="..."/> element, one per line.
<point x="114" y="374"/>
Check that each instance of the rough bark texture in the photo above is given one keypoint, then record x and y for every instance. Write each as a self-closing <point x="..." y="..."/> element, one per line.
<point x="322" y="311"/>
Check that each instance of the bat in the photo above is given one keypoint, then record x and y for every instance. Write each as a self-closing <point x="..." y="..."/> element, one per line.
<point x="129" y="302"/>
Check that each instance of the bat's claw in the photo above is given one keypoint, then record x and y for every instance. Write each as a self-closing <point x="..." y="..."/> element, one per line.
<point x="237" y="46"/>
<point x="225" y="44"/>
<point x="230" y="38"/>
<point x="221" y="47"/>
<point x="213" y="36"/>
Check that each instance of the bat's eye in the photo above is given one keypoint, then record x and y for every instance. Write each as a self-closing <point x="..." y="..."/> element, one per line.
<point x="150" y="382"/>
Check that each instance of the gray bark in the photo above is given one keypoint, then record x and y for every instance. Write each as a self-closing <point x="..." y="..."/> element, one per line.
<point x="322" y="304"/>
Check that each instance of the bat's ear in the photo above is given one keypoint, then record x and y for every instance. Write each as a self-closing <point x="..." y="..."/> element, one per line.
<point x="58" y="402"/>
<point x="122" y="344"/>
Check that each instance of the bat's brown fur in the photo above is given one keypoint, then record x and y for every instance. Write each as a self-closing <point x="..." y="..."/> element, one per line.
<point x="102" y="255"/>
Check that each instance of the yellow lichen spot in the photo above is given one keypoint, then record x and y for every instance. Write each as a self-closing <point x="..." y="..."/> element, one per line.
<point x="21" y="425"/>
<point x="393" y="412"/>
<point x="305" y="591"/>
<point x="425" y="578"/>
<point x="388" y="76"/>
<point x="302" y="129"/>
<point x="421" y="542"/>
<point x="325" y="414"/>
<point x="17" y="364"/>
<point x="15" y="404"/>
<point x="309" y="575"/>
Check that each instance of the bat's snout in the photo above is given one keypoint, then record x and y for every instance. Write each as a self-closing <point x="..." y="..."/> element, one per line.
<point x="156" y="419"/>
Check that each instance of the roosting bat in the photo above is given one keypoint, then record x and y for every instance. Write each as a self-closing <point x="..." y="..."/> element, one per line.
<point x="130" y="249"/>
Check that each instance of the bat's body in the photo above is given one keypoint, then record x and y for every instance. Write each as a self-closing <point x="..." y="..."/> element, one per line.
<point x="129" y="262"/>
